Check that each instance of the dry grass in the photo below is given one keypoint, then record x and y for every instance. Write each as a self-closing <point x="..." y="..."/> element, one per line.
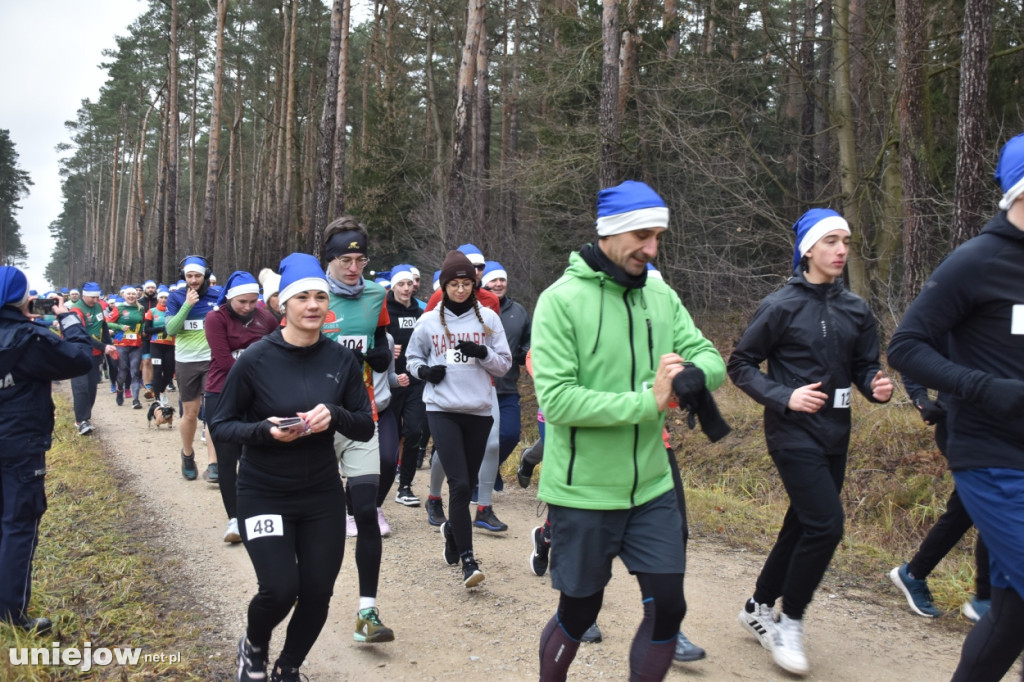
<point x="99" y="581"/>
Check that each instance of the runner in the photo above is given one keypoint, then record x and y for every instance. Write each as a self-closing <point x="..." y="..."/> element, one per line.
<point x="127" y="320"/>
<point x="161" y="345"/>
<point x="83" y="388"/>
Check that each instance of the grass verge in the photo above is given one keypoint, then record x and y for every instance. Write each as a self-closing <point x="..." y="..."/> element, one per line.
<point x="100" y="582"/>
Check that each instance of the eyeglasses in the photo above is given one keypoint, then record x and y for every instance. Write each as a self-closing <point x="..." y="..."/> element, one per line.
<point x="347" y="261"/>
<point x="479" y="266"/>
<point x="459" y="286"/>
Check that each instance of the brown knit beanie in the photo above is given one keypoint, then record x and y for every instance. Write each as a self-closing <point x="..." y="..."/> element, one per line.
<point x="456" y="266"/>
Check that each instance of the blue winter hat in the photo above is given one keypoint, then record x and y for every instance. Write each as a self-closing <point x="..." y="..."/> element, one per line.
<point x="401" y="273"/>
<point x="812" y="226"/>
<point x="148" y="282"/>
<point x="492" y="271"/>
<point x="239" y="282"/>
<point x="194" y="264"/>
<point x="33" y="292"/>
<point x="1010" y="171"/>
<point x="475" y="255"/>
<point x="91" y="289"/>
<point x="300" y="272"/>
<point x="74" y="291"/>
<point x="654" y="272"/>
<point x="630" y="206"/>
<point x="162" y="289"/>
<point x="437" y="280"/>
<point x="13" y="286"/>
<point x="384" y="282"/>
<point x="64" y="291"/>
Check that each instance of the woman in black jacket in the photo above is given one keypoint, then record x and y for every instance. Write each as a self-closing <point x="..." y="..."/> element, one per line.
<point x="283" y="401"/>
<point x="820" y="341"/>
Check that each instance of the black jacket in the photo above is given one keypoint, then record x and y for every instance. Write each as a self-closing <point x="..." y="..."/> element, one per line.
<point x="276" y="379"/>
<point x="964" y="335"/>
<point x="31" y="356"/>
<point x="516" y="322"/>
<point x="403" y="318"/>
<point x="808" y="333"/>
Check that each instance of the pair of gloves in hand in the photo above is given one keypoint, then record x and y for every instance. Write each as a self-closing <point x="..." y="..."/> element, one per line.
<point x="435" y="373"/>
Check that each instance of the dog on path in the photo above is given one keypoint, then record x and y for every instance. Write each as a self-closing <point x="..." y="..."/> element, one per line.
<point x="161" y="414"/>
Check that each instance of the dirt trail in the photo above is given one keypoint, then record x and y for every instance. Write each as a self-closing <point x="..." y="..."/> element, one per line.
<point x="491" y="632"/>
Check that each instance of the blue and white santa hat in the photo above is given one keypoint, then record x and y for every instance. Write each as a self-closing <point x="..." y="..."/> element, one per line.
<point x="148" y="282"/>
<point x="492" y="271"/>
<point x="13" y="286"/>
<point x="91" y="289"/>
<point x="383" y="281"/>
<point x="654" y="272"/>
<point x="629" y="206"/>
<point x="74" y="291"/>
<point x="239" y="282"/>
<point x="475" y="255"/>
<point x="64" y="291"/>
<point x="812" y="226"/>
<point x="301" y="272"/>
<point x="194" y="264"/>
<point x="402" y="273"/>
<point x="437" y="280"/>
<point x="415" y="271"/>
<point x="1010" y="171"/>
<point x="162" y="289"/>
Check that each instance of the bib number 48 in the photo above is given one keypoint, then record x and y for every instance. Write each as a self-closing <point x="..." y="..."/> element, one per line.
<point x="264" y="526"/>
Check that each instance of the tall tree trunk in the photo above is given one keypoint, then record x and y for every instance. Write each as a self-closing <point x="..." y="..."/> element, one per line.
<point x="340" y="121"/>
<point x="629" y="49"/>
<point x="328" y="120"/>
<point x="140" y="194"/>
<point x="213" y="151"/>
<point x="608" y="117"/>
<point x="461" y="137"/>
<point x="971" y="187"/>
<point x="807" y="187"/>
<point x="232" y="222"/>
<point x="289" y="134"/>
<point x="482" y="142"/>
<point x="670" y="19"/>
<point x="193" y="221"/>
<point x="910" y="45"/>
<point x="171" y="252"/>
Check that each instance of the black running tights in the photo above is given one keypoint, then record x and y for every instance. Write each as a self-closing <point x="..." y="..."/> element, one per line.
<point x="995" y="642"/>
<point x="460" y="440"/>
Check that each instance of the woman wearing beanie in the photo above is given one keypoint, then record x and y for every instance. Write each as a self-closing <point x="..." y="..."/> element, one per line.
<point x="283" y="401"/>
<point x="456" y="348"/>
<point x="127" y="319"/>
<point x="235" y="325"/>
<point x="820" y="341"/>
<point x="161" y="346"/>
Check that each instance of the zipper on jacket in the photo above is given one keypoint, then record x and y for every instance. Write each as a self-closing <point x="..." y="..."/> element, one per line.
<point x="600" y="316"/>
<point x="632" y="387"/>
<point x="650" y="342"/>
<point x="636" y="466"/>
<point x="572" y="454"/>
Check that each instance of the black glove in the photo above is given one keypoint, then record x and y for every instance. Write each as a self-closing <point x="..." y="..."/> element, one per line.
<point x="472" y="350"/>
<point x="378" y="358"/>
<point x="519" y="358"/>
<point x="434" y="373"/>
<point x="688" y="385"/>
<point x="932" y="412"/>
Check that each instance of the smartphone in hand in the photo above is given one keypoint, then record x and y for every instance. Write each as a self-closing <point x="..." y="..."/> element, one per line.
<point x="291" y="423"/>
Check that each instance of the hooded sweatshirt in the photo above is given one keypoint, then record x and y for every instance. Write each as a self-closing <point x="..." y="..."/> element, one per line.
<point x="466" y="387"/>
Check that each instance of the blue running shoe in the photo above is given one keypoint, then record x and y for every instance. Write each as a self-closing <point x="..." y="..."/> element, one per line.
<point x="919" y="597"/>
<point x="975" y="609"/>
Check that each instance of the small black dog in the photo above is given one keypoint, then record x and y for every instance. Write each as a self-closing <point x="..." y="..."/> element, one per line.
<point x="161" y="415"/>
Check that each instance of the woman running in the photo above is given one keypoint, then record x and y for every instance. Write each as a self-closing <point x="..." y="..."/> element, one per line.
<point x="127" y="320"/>
<point x="819" y="340"/>
<point x="161" y="346"/>
<point x="456" y="348"/>
<point x="283" y="401"/>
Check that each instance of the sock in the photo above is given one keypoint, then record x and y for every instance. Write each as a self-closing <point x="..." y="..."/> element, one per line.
<point x="557" y="651"/>
<point x="367" y="603"/>
<point x="641" y="640"/>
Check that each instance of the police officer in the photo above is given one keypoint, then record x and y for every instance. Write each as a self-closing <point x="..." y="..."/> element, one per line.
<point x="30" y="358"/>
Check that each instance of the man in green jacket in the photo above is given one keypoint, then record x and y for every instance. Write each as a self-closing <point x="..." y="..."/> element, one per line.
<point x="610" y="348"/>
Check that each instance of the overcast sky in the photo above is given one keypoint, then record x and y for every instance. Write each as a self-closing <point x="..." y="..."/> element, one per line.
<point x="50" y="52"/>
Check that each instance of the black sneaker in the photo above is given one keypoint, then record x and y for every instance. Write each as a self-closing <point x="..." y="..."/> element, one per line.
<point x="524" y="474"/>
<point x="39" y="626"/>
<point x="592" y="635"/>
<point x="687" y="651"/>
<point x="212" y="473"/>
<point x="119" y="399"/>
<point x="486" y="519"/>
<point x="188" y="466"/>
<point x="136" y="404"/>
<point x="170" y="387"/>
<point x="471" y="573"/>
<point x="539" y="556"/>
<point x="252" y="662"/>
<point x="286" y="674"/>
<point x="451" y="550"/>
<point x="85" y="427"/>
<point x="435" y="511"/>
<point x="405" y="496"/>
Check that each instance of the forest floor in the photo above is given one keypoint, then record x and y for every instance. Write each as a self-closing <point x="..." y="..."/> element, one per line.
<point x="854" y="631"/>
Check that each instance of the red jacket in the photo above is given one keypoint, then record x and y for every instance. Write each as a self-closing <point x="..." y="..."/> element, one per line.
<point x="228" y="336"/>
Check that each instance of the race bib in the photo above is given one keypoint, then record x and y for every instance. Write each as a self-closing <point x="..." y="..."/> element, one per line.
<point x="454" y="357"/>
<point x="406" y="322"/>
<point x="353" y="342"/>
<point x="264" y="526"/>
<point x="193" y="325"/>
<point x="842" y="399"/>
<point x="128" y="336"/>
<point x="1017" y="320"/>
<point x="157" y="362"/>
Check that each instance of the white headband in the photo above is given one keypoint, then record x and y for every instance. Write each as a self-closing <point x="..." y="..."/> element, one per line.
<point x="640" y="219"/>
<point x="820" y="229"/>
<point x="1012" y="195"/>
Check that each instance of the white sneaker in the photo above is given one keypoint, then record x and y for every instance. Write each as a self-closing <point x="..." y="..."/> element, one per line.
<point x="788" y="652"/>
<point x="231" y="534"/>
<point x="385" y="528"/>
<point x="761" y="624"/>
<point x="350" y="526"/>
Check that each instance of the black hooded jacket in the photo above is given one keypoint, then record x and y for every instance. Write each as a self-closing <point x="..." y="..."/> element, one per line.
<point x="807" y="333"/>
<point x="403" y="319"/>
<point x="964" y="335"/>
<point x="276" y="379"/>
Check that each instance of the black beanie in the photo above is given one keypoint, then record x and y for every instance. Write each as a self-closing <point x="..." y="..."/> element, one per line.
<point x="456" y="266"/>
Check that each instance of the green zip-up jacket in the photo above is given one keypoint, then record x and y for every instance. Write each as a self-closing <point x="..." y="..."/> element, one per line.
<point x="596" y="349"/>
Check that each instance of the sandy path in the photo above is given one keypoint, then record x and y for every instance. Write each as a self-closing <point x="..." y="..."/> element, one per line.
<point x="491" y="633"/>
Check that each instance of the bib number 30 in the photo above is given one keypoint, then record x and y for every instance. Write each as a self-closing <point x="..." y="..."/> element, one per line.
<point x="454" y="357"/>
<point x="264" y="526"/>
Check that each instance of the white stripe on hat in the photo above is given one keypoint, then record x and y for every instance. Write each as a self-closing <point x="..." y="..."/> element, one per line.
<point x="820" y="229"/>
<point x="493" y="275"/>
<point x="304" y="284"/>
<point x="247" y="288"/>
<point x="640" y="219"/>
<point x="1012" y="195"/>
<point x="194" y="267"/>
